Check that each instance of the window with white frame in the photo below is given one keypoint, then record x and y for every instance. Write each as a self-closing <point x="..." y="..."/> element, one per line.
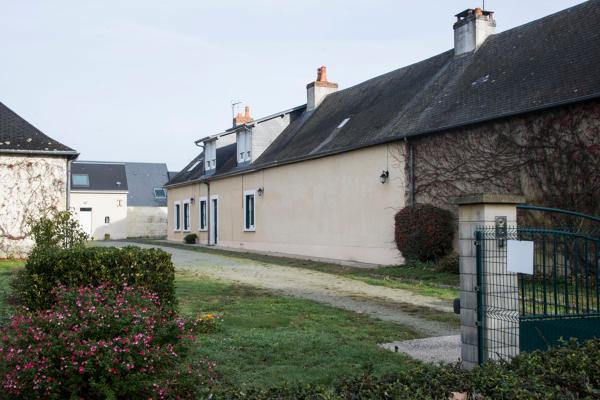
<point x="210" y="155"/>
<point x="186" y="216"/>
<point x="250" y="210"/>
<point x="177" y="215"/>
<point x="202" y="222"/>
<point x="244" y="146"/>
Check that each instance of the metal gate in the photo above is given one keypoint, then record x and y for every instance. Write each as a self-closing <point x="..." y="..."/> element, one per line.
<point x="560" y="300"/>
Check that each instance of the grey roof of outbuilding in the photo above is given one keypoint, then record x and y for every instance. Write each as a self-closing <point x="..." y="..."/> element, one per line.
<point x="19" y="136"/>
<point x="142" y="178"/>
<point x="103" y="176"/>
<point x="545" y="63"/>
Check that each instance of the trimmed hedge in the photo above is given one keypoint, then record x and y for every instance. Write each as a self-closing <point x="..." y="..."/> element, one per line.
<point x="569" y="372"/>
<point x="190" y="238"/>
<point x="81" y="266"/>
<point x="424" y="232"/>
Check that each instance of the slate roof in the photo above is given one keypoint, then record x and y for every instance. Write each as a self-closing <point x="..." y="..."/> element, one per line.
<point x="545" y="63"/>
<point x="142" y="178"/>
<point x="103" y="176"/>
<point x="19" y="136"/>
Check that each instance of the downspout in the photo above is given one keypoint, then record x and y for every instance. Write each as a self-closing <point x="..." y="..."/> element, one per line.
<point x="68" y="194"/>
<point x="208" y="204"/>
<point x="208" y="201"/>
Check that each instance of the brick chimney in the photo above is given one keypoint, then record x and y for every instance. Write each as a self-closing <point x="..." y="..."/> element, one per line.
<point x="317" y="91"/>
<point x="471" y="29"/>
<point x="244" y="118"/>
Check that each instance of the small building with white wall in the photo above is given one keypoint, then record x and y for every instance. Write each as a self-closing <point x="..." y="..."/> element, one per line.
<point x="146" y="199"/>
<point x="99" y="198"/>
<point x="33" y="180"/>
<point x="117" y="200"/>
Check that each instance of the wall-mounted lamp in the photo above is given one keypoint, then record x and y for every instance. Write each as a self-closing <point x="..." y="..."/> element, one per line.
<point x="191" y="200"/>
<point x="385" y="174"/>
<point x="260" y="192"/>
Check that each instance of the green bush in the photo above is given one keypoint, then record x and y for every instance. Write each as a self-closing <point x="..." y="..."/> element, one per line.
<point x="568" y="372"/>
<point x="424" y="232"/>
<point x="80" y="266"/>
<point x="449" y="263"/>
<point x="100" y="343"/>
<point x="58" y="229"/>
<point x="190" y="238"/>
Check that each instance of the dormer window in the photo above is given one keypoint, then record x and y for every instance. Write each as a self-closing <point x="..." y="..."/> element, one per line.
<point x="244" y="146"/>
<point x="210" y="155"/>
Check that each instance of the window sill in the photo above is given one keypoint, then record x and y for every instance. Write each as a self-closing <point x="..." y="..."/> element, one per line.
<point x="186" y="231"/>
<point x="203" y="230"/>
<point x="250" y="230"/>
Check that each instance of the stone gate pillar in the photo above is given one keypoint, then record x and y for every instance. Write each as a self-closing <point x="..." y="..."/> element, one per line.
<point x="475" y="211"/>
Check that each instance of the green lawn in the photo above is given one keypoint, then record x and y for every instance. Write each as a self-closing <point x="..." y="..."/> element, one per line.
<point x="419" y="278"/>
<point x="7" y="268"/>
<point x="268" y="339"/>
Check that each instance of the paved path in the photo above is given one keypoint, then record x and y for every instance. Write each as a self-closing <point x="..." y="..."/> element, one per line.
<point x="444" y="349"/>
<point x="380" y="302"/>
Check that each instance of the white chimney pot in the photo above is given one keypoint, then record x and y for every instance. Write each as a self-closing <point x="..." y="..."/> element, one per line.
<point x="471" y="30"/>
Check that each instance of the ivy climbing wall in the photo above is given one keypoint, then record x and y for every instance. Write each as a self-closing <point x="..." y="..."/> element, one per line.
<point x="29" y="188"/>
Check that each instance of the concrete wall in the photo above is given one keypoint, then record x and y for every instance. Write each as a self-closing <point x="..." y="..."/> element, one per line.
<point x="29" y="188"/>
<point x="146" y="221"/>
<point x="333" y="207"/>
<point x="103" y="204"/>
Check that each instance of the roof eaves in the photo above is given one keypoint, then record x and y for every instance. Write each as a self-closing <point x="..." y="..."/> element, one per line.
<point x="71" y="154"/>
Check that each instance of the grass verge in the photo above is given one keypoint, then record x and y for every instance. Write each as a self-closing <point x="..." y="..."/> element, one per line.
<point x="269" y="339"/>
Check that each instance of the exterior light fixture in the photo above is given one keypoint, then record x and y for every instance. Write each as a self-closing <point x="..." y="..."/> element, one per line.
<point x="191" y="200"/>
<point x="385" y="174"/>
<point x="260" y="192"/>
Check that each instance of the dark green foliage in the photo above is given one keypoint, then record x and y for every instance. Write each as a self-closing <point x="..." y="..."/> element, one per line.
<point x="79" y="266"/>
<point x="424" y="232"/>
<point x="59" y="229"/>
<point x="190" y="238"/>
<point x="569" y="372"/>
<point x="449" y="263"/>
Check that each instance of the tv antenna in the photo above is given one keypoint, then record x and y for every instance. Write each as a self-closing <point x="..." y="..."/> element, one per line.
<point x="234" y="103"/>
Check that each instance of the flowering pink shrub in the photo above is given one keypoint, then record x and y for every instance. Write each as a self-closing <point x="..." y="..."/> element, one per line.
<point x="99" y="342"/>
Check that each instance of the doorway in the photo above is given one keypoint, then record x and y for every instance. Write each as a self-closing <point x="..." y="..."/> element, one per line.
<point x="85" y="219"/>
<point x="214" y="220"/>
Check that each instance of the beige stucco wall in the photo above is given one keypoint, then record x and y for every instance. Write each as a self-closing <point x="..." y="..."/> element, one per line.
<point x="333" y="207"/>
<point x="103" y="204"/>
<point x="146" y="222"/>
<point x="29" y="188"/>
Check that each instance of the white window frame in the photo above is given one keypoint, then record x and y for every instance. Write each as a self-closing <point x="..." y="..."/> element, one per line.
<point x="210" y="155"/>
<point x="244" y="146"/>
<point x="200" y="228"/>
<point x="176" y="211"/>
<point x="186" y="221"/>
<point x="251" y="228"/>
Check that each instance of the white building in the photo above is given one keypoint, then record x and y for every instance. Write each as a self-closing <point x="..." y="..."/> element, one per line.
<point x="33" y="180"/>
<point x="119" y="200"/>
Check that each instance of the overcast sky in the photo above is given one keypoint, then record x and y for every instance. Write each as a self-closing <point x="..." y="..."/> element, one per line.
<point x="140" y="80"/>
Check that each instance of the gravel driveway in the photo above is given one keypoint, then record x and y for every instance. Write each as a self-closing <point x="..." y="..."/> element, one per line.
<point x="380" y="302"/>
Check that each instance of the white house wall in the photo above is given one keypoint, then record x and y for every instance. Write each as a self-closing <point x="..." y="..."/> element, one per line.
<point x="112" y="205"/>
<point x="333" y="207"/>
<point x="29" y="188"/>
<point x="146" y="222"/>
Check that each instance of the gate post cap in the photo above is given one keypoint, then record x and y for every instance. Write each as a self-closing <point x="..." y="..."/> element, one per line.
<point x="489" y="198"/>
